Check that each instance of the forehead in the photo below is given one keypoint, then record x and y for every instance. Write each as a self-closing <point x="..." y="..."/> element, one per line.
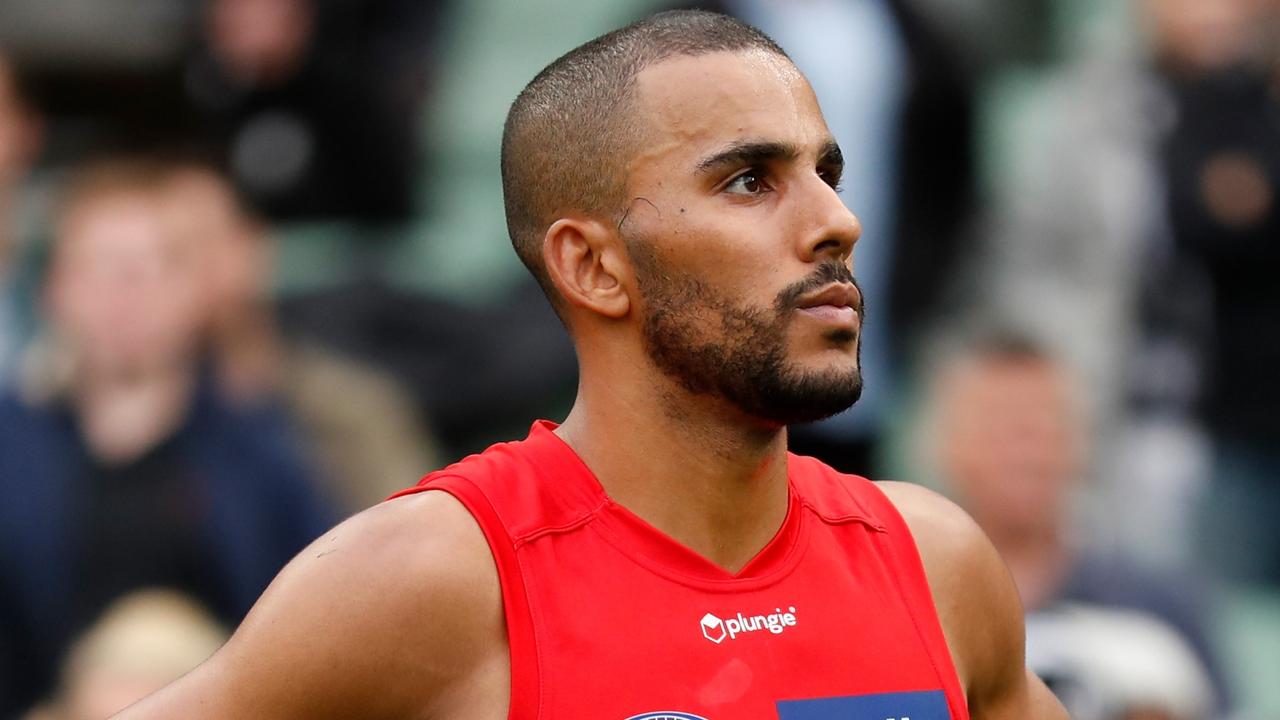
<point x="114" y="222"/>
<point x="691" y="105"/>
<point x="1009" y="383"/>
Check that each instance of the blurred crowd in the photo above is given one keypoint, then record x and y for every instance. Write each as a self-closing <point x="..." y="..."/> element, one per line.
<point x="254" y="278"/>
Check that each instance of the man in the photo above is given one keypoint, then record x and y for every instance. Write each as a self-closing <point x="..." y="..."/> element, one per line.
<point x="354" y="420"/>
<point x="1012" y="445"/>
<point x="658" y="554"/>
<point x="121" y="467"/>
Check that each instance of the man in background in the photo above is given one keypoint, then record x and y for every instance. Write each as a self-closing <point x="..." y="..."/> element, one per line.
<point x="120" y="465"/>
<point x="359" y="424"/>
<point x="1010" y="443"/>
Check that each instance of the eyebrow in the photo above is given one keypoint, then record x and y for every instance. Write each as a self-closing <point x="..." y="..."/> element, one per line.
<point x="757" y="152"/>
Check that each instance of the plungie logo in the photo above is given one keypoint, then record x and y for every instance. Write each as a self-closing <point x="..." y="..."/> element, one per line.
<point x="717" y="630"/>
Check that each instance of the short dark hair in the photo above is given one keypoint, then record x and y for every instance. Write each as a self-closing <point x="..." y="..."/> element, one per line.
<point x="568" y="132"/>
<point x="1008" y="343"/>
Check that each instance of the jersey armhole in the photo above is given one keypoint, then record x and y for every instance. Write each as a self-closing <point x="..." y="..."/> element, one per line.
<point x="917" y="595"/>
<point x="525" y="690"/>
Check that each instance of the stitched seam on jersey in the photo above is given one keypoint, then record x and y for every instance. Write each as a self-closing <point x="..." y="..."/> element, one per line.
<point x="865" y="515"/>
<point x="570" y="526"/>
<point x="786" y="566"/>
<point x="843" y="518"/>
<point x="537" y="619"/>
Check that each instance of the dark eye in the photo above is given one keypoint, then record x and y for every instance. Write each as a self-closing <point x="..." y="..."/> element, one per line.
<point x="748" y="183"/>
<point x="832" y="178"/>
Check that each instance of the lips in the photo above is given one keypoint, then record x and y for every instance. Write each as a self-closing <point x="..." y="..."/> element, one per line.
<point x="838" y="304"/>
<point x="836" y="295"/>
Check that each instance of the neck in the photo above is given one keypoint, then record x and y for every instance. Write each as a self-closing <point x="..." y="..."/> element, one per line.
<point x="699" y="472"/>
<point x="124" y="416"/>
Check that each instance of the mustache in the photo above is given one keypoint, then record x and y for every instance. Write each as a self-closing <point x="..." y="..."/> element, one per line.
<point x="826" y="274"/>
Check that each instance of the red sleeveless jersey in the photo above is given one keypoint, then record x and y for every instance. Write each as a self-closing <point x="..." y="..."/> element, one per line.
<point x="609" y="619"/>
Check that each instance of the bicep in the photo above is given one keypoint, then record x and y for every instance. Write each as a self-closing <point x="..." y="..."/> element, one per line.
<point x="339" y="633"/>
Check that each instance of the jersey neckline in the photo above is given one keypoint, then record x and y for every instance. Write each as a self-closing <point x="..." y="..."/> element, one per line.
<point x="650" y="547"/>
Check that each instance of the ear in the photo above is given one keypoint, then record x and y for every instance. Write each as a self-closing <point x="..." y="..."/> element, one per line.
<point x="585" y="262"/>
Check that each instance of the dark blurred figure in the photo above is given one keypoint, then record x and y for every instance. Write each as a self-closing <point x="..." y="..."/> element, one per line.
<point x="360" y="424"/>
<point x="105" y="75"/>
<point x="899" y="100"/>
<point x="1010" y="442"/>
<point x="142" y="642"/>
<point x="314" y="106"/>
<point x="20" y="131"/>
<point x="1221" y="164"/>
<point x="122" y="467"/>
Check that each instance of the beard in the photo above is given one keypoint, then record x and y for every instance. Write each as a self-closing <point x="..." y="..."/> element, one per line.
<point x="711" y="346"/>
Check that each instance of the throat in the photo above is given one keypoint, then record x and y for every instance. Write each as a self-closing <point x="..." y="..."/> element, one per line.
<point x="723" y="496"/>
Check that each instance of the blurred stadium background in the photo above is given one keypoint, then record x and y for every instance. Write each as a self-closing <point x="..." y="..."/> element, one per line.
<point x="254" y="276"/>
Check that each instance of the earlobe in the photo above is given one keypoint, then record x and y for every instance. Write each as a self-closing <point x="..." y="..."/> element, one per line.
<point x="582" y="258"/>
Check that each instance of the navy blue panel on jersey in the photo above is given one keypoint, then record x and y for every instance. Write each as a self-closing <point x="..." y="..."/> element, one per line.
<point x="926" y="705"/>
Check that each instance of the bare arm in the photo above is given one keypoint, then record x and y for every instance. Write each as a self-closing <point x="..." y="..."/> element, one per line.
<point x="392" y="614"/>
<point x="979" y="608"/>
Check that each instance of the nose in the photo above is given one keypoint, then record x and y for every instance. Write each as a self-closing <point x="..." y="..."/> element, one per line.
<point x="831" y="228"/>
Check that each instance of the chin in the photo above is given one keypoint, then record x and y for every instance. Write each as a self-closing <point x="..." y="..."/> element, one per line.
<point x="841" y="369"/>
<point x="812" y="396"/>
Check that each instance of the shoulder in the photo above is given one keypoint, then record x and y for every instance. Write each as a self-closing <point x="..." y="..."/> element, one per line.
<point x="939" y="526"/>
<point x="380" y="617"/>
<point x="974" y="594"/>
<point x="422" y="543"/>
<point x="380" y="574"/>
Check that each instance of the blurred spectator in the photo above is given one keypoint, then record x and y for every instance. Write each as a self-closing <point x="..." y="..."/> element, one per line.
<point x="142" y="642"/>
<point x="1221" y="166"/>
<point x="20" y="131"/>
<point x="314" y="105"/>
<point x="896" y="98"/>
<point x="361" y="424"/>
<point x="126" y="469"/>
<point x="1135" y="232"/>
<point x="1010" y="444"/>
